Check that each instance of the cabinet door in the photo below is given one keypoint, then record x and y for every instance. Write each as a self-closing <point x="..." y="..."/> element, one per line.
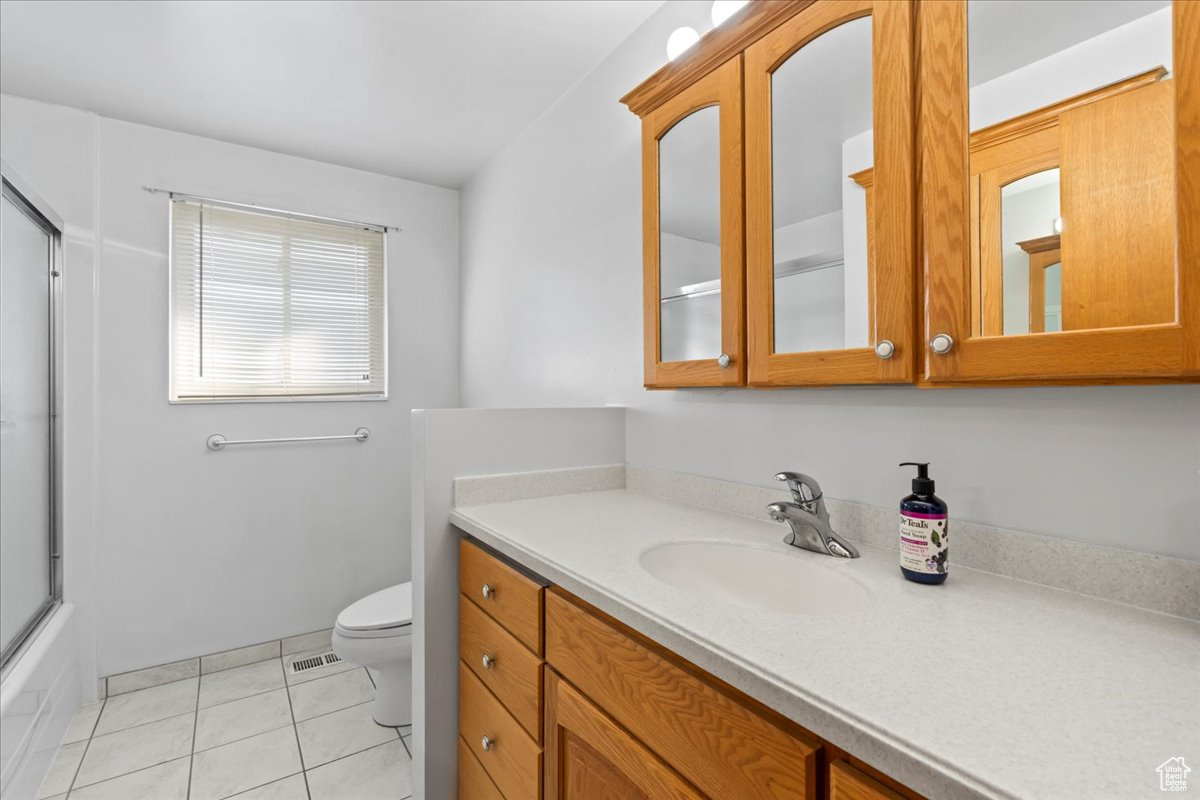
<point x="848" y="783"/>
<point x="1060" y="190"/>
<point x="693" y="238"/>
<point x="589" y="757"/>
<point x="830" y="208"/>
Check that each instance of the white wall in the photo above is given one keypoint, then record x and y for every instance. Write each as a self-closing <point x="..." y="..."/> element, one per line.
<point x="454" y="443"/>
<point x="551" y="308"/>
<point x="200" y="551"/>
<point x="686" y="261"/>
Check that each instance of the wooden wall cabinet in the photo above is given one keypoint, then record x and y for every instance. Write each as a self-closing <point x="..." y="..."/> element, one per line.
<point x="925" y="301"/>
<point x="884" y="303"/>
<point x="714" y="298"/>
<point x="1129" y="249"/>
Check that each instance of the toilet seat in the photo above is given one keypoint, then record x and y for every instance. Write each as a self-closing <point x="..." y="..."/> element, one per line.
<point x="385" y="613"/>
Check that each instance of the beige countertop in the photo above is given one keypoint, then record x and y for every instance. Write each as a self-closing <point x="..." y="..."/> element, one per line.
<point x="982" y="687"/>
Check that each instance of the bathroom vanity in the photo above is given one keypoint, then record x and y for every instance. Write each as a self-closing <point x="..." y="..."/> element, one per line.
<point x="622" y="644"/>
<point x="612" y="713"/>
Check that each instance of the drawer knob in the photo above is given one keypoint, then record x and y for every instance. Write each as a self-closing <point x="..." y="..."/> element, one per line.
<point x="488" y="592"/>
<point x="488" y="743"/>
<point x="885" y="349"/>
<point x="488" y="661"/>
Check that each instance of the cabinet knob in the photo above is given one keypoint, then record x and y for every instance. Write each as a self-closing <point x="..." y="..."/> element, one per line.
<point x="488" y="661"/>
<point x="487" y="743"/>
<point x="723" y="360"/>
<point x="941" y="344"/>
<point x="885" y="349"/>
<point x="488" y="591"/>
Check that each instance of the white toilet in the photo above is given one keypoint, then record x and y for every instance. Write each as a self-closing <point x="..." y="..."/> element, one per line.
<point x="376" y="632"/>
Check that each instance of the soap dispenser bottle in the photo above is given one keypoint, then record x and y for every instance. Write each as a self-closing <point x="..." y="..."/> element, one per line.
<point x="924" y="526"/>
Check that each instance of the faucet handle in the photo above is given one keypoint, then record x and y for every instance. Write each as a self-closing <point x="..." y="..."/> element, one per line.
<point x="805" y="490"/>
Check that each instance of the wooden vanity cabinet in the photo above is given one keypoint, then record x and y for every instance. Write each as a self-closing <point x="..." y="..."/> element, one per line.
<point x="712" y="738"/>
<point x="500" y="678"/>
<point x="590" y="757"/>
<point x="847" y="782"/>
<point x="617" y="715"/>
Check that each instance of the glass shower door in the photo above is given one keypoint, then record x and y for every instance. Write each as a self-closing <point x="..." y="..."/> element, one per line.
<point x="27" y="577"/>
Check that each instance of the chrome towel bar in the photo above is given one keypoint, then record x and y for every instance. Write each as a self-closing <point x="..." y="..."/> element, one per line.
<point x="218" y="441"/>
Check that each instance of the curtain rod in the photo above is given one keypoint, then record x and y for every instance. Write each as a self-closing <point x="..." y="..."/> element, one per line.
<point x="278" y="211"/>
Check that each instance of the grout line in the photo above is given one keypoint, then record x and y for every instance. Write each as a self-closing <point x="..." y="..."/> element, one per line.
<point x="355" y="753"/>
<point x="199" y="672"/>
<point x="243" y="738"/>
<point x="296" y="733"/>
<point x="192" y="754"/>
<point x="261" y="785"/>
<point x="132" y="771"/>
<point x="87" y="745"/>
<point x="344" y="708"/>
<point x="126" y="774"/>
<point x="142" y="725"/>
<point x="195" y="724"/>
<point x="260" y="733"/>
<point x="330" y="675"/>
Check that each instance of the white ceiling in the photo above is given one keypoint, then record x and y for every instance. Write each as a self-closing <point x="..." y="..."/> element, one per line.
<point x="417" y="89"/>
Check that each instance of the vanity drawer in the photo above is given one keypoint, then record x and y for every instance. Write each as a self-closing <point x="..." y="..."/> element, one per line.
<point x="848" y="783"/>
<point x="507" y="596"/>
<point x="473" y="780"/>
<point x="712" y="737"/>
<point x="513" y="760"/>
<point x="513" y="673"/>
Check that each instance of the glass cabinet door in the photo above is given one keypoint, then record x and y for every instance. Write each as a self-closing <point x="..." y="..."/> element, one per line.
<point x="830" y="212"/>
<point x="692" y="207"/>
<point x="1052" y="188"/>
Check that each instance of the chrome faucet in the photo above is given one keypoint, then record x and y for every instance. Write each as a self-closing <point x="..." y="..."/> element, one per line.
<point x="808" y="518"/>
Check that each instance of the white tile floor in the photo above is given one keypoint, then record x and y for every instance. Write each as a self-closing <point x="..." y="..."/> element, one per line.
<point x="253" y="733"/>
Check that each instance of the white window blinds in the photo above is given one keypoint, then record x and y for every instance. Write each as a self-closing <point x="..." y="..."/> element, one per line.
<point x="272" y="306"/>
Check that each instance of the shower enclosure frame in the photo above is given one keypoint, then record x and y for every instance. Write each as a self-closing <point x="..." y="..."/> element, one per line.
<point x="28" y="202"/>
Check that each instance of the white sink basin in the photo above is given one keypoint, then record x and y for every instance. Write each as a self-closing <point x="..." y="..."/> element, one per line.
<point x="754" y="577"/>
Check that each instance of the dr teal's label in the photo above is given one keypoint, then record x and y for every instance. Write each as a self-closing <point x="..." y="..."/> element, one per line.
<point x="923" y="542"/>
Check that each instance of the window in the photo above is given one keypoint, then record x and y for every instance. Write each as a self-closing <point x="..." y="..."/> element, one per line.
<point x="274" y="306"/>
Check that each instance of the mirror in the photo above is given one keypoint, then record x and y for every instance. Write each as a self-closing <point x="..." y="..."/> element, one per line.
<point x="689" y="157"/>
<point x="1030" y="242"/>
<point x="1072" y="165"/>
<point x="822" y="153"/>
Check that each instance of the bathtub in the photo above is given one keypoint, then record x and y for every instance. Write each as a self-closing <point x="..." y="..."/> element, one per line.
<point x="38" y="695"/>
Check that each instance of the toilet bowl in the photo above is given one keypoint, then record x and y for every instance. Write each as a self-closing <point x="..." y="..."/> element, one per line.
<point x="376" y="632"/>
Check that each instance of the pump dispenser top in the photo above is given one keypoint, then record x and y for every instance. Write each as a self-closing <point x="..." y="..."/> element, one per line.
<point x="924" y="530"/>
<point x="922" y="484"/>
